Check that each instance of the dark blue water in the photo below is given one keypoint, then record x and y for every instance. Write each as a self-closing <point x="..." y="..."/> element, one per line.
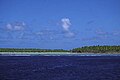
<point x="59" y="67"/>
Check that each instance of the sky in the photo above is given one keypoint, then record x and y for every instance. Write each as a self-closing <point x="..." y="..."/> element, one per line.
<point x="59" y="24"/>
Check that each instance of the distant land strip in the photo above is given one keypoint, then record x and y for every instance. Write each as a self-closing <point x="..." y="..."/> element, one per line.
<point x="85" y="49"/>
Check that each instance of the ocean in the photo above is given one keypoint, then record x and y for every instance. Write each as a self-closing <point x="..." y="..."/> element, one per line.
<point x="59" y="67"/>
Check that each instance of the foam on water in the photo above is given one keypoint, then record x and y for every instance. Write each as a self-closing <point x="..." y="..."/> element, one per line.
<point x="59" y="54"/>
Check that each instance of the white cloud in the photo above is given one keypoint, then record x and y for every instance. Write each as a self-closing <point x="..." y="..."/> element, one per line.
<point x="18" y="27"/>
<point x="9" y="26"/>
<point x="23" y="23"/>
<point x="15" y="29"/>
<point x="15" y="26"/>
<point x="69" y="34"/>
<point x="66" y="25"/>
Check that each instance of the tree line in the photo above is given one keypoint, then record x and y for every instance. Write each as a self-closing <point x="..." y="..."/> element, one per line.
<point x="85" y="49"/>
<point x="30" y="50"/>
<point x="97" y="49"/>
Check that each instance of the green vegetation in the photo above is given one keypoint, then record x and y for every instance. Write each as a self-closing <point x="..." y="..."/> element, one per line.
<point x="86" y="49"/>
<point x="97" y="49"/>
<point x="31" y="50"/>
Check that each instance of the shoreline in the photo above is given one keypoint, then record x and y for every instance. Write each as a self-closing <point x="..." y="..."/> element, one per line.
<point x="55" y="54"/>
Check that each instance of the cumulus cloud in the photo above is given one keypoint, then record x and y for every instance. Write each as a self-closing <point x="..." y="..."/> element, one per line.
<point x="66" y="25"/>
<point x="15" y="29"/>
<point x="9" y="26"/>
<point x="15" y="26"/>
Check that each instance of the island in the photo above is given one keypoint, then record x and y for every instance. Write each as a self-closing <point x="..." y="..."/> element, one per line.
<point x="31" y="50"/>
<point x="97" y="49"/>
<point x="85" y="49"/>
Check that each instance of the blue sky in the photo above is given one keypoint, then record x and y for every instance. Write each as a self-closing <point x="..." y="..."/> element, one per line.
<point x="56" y="24"/>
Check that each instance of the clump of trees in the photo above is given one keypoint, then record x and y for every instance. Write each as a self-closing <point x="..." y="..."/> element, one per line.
<point x="97" y="49"/>
<point x="31" y="50"/>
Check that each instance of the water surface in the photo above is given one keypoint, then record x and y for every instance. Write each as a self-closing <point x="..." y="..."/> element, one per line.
<point x="59" y="67"/>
